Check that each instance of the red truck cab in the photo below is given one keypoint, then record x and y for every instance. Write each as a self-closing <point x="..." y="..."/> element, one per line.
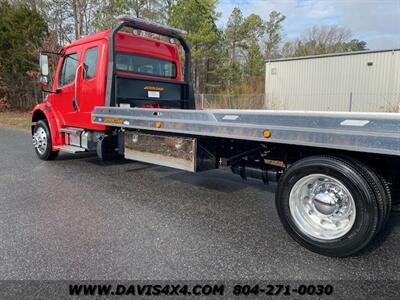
<point x="108" y="68"/>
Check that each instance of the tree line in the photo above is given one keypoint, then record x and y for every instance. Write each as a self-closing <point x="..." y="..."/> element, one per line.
<point x="227" y="59"/>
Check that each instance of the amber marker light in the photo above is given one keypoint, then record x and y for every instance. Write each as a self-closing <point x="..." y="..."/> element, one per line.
<point x="267" y="134"/>
<point x="158" y="124"/>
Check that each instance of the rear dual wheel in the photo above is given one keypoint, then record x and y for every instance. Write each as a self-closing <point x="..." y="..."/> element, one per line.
<point x="331" y="205"/>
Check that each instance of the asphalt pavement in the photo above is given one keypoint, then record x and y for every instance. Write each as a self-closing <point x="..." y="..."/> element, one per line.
<point x="79" y="218"/>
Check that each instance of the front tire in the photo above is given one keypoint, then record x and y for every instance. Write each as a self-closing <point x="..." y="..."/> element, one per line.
<point x="41" y="139"/>
<point x="328" y="205"/>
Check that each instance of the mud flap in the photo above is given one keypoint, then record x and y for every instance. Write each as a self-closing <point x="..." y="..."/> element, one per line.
<point x="107" y="148"/>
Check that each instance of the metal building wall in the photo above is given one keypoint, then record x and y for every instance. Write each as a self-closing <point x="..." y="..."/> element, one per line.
<point x="335" y="83"/>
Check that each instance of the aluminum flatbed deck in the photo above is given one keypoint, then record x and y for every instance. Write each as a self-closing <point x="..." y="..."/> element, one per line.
<point x="363" y="132"/>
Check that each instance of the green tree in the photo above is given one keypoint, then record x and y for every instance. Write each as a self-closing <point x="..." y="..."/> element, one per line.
<point x="240" y="32"/>
<point x="198" y="19"/>
<point x="273" y="33"/>
<point x="234" y="36"/>
<point x="22" y="31"/>
<point x="253" y="27"/>
<point x="234" y="33"/>
<point x="355" y="45"/>
<point x="254" y="60"/>
<point x="241" y="36"/>
<point x="255" y="63"/>
<point x="218" y="74"/>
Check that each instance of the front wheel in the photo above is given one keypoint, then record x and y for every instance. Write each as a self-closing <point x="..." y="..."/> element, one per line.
<point x="41" y="139"/>
<point x="329" y="205"/>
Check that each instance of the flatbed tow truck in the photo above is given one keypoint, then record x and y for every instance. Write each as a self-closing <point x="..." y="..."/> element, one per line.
<point x="337" y="173"/>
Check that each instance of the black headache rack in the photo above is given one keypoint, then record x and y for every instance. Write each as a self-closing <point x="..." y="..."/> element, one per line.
<point x="141" y="91"/>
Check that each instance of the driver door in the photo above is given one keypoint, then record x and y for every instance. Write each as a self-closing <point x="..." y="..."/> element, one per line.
<point x="66" y="101"/>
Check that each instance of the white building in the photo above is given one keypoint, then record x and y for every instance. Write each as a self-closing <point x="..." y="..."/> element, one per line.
<point x="367" y="81"/>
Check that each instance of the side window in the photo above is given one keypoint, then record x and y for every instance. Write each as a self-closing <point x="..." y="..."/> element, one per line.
<point x="68" y="69"/>
<point x="91" y="62"/>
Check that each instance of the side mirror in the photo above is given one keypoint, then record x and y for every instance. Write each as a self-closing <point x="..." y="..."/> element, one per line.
<point x="44" y="64"/>
<point x="44" y="70"/>
<point x="44" y="81"/>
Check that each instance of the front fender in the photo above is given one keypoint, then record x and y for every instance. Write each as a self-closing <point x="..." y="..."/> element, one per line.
<point x="54" y="121"/>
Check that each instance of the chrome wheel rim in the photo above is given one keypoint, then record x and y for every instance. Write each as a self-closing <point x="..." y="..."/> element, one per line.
<point x="39" y="140"/>
<point x="322" y="207"/>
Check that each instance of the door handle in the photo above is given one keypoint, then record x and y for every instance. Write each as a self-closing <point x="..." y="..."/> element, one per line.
<point x="75" y="103"/>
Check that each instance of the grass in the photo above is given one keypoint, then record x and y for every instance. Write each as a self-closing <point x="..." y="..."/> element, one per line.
<point x="16" y="119"/>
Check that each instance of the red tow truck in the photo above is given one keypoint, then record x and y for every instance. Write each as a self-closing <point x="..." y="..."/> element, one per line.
<point x="122" y="94"/>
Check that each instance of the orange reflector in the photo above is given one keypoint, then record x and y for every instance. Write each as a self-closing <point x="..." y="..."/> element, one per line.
<point x="158" y="124"/>
<point x="267" y="134"/>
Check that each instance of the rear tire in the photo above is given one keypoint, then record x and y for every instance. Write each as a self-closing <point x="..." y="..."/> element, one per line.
<point x="41" y="138"/>
<point x="331" y="206"/>
<point x="381" y="188"/>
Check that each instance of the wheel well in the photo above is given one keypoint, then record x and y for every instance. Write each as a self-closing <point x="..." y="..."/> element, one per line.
<point x="282" y="156"/>
<point x="386" y="165"/>
<point x="37" y="116"/>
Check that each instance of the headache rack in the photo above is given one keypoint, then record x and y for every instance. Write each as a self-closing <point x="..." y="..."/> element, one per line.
<point x="114" y="82"/>
<point x="361" y="132"/>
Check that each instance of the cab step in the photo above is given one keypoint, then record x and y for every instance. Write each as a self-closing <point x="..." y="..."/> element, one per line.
<point x="72" y="130"/>
<point x="71" y="149"/>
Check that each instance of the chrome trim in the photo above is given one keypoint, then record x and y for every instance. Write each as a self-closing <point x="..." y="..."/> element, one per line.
<point x="39" y="140"/>
<point x="322" y="207"/>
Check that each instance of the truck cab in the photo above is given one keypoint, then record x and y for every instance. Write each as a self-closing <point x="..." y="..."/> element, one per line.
<point x="108" y="68"/>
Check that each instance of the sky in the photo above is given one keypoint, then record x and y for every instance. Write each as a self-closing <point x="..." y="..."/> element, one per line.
<point x="375" y="21"/>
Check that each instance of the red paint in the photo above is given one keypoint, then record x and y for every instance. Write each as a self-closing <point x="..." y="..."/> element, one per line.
<point x="154" y="106"/>
<point x="58" y="108"/>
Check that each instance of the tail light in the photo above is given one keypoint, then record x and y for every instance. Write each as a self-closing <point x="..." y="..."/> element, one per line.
<point x="157" y="105"/>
